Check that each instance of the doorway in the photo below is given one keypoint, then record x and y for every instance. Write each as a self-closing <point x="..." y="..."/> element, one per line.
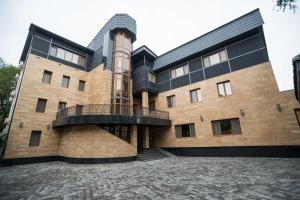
<point x="140" y="140"/>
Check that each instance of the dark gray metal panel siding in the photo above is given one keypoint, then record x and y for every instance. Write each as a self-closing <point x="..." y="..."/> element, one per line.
<point x="195" y="64"/>
<point x="40" y="45"/>
<point x="234" y="28"/>
<point x="245" y="46"/>
<point x="248" y="60"/>
<point x="197" y="76"/>
<point x="119" y="21"/>
<point x="163" y="76"/>
<point x="217" y="70"/>
<point x="165" y="86"/>
<point x="180" y="81"/>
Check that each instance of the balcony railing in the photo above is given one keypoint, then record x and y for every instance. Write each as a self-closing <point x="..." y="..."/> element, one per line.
<point x="110" y="109"/>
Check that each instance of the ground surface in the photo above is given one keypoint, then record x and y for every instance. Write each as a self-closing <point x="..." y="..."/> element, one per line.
<point x="171" y="178"/>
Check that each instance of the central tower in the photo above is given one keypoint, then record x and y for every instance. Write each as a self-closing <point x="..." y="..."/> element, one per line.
<point x="121" y="70"/>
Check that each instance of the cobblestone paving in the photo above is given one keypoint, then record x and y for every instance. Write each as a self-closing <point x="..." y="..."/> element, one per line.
<point x="171" y="178"/>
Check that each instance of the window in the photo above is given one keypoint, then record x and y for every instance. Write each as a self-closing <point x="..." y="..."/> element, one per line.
<point x="79" y="109"/>
<point x="151" y="77"/>
<point x="171" y="101"/>
<point x="215" y="58"/>
<point x="61" y="105"/>
<point x="67" y="55"/>
<point x="81" y="85"/>
<point x="226" y="126"/>
<point x="224" y="88"/>
<point x="35" y="138"/>
<point x="179" y="71"/>
<point x="297" y="112"/>
<point x="47" y="77"/>
<point x="65" y="81"/>
<point x="185" y="130"/>
<point x="41" y="105"/>
<point x="196" y="95"/>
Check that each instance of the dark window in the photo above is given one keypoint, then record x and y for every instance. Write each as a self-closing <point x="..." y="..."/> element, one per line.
<point x="79" y="109"/>
<point x="196" y="95"/>
<point x="151" y="105"/>
<point x="35" y="138"/>
<point x="297" y="112"/>
<point x="185" y="130"/>
<point x="65" y="81"/>
<point x="62" y="105"/>
<point x="47" y="77"/>
<point x="81" y="85"/>
<point x="171" y="101"/>
<point x="224" y="88"/>
<point x="41" y="105"/>
<point x="226" y="126"/>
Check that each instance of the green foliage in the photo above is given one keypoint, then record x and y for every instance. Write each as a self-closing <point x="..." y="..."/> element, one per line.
<point x="283" y="4"/>
<point x="7" y="84"/>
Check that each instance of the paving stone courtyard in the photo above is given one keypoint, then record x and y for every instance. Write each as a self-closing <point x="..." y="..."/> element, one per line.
<point x="170" y="178"/>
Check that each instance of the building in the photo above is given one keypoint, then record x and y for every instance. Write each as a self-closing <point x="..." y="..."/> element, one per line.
<point x="215" y="95"/>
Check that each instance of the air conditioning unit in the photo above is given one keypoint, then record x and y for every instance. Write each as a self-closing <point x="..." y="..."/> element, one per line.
<point x="6" y="121"/>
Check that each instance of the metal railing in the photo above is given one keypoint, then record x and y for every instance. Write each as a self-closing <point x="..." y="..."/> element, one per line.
<point x="110" y="109"/>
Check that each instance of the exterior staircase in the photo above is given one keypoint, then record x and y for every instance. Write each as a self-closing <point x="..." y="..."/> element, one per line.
<point x="153" y="154"/>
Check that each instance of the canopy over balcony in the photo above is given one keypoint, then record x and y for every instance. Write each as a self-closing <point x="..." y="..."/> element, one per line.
<point x="110" y="114"/>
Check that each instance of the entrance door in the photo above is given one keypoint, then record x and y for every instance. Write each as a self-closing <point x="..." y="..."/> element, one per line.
<point x="140" y="140"/>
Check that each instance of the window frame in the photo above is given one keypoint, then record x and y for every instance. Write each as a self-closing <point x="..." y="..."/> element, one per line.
<point x="225" y="91"/>
<point x="231" y="127"/>
<point x="37" y="105"/>
<point x="48" y="73"/>
<point x="185" y="70"/>
<point x="151" y="77"/>
<point x="61" y="102"/>
<point x="179" y="130"/>
<point x="169" y="101"/>
<point x="83" y="87"/>
<point x="68" y="84"/>
<point x="212" y="54"/>
<point x="191" y="96"/>
<point x="31" y="141"/>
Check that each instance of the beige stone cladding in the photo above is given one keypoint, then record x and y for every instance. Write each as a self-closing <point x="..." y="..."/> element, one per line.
<point x="254" y="90"/>
<point x="97" y="90"/>
<point x="91" y="141"/>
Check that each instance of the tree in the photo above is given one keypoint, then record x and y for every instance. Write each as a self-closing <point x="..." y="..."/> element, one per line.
<point x="283" y="4"/>
<point x="7" y="85"/>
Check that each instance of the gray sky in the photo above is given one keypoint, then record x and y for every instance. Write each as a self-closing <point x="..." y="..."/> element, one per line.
<point x="161" y="24"/>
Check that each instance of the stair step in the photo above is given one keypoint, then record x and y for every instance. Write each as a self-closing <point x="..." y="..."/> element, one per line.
<point x="151" y="154"/>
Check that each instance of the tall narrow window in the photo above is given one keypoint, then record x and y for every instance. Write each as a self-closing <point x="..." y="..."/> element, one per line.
<point x="196" y="95"/>
<point x="81" y="85"/>
<point x="65" y="81"/>
<point x="47" y="77"/>
<point x="171" y="101"/>
<point x="226" y="126"/>
<point x="61" y="105"/>
<point x="224" y="88"/>
<point x="185" y="130"/>
<point x="35" y="138"/>
<point x="41" y="105"/>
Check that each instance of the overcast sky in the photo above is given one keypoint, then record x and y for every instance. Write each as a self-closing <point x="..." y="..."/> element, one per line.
<point x="161" y="24"/>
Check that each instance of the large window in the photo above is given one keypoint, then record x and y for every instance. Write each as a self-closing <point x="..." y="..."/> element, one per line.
<point x="41" y="105"/>
<point x="185" y="130"/>
<point x="196" y="95"/>
<point x="61" y="105"/>
<point x="226" y="126"/>
<point x="67" y="55"/>
<point x="47" y="77"/>
<point x="179" y="71"/>
<point x="35" y="138"/>
<point x="215" y="58"/>
<point x="171" y="101"/>
<point x="297" y="112"/>
<point x="81" y="85"/>
<point x="65" y="81"/>
<point x="151" y="77"/>
<point x="224" y="88"/>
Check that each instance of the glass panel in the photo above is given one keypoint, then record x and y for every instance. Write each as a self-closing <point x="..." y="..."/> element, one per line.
<point x="41" y="105"/>
<point x="81" y="85"/>
<point x="65" y="81"/>
<point x="173" y="101"/>
<point x="118" y="84"/>
<point x="35" y="138"/>
<point x="186" y="69"/>
<point x="81" y="61"/>
<point x="47" y="77"/>
<point x="225" y="126"/>
<point x="75" y="58"/>
<point x="236" y="127"/>
<point x="185" y="130"/>
<point x="206" y="61"/>
<point x="199" y="95"/>
<point x="228" y="88"/>
<point x="61" y="53"/>
<point x="194" y="96"/>
<point x="223" y="55"/>
<point x="221" y="89"/>
<point x="179" y="71"/>
<point x="68" y="56"/>
<point x="151" y="77"/>
<point x="214" y="59"/>
<point x="216" y="127"/>
<point x="173" y="73"/>
<point x="53" y="51"/>
<point x="62" y="105"/>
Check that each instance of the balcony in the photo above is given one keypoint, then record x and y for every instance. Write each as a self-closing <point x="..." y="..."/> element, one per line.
<point x="110" y="114"/>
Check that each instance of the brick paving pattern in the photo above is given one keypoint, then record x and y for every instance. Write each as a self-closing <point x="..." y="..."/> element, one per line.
<point x="170" y="178"/>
